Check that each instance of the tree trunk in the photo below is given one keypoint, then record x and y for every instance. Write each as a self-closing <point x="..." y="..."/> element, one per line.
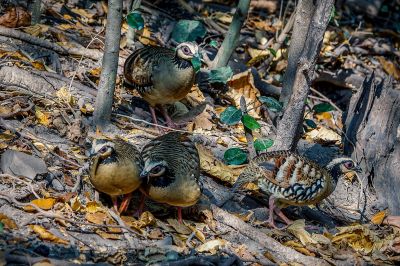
<point x="372" y="137"/>
<point x="304" y="14"/>
<point x="291" y="122"/>
<point x="105" y="95"/>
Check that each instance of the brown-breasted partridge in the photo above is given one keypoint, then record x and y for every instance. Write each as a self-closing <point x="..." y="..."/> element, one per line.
<point x="171" y="171"/>
<point x="291" y="179"/>
<point x="115" y="167"/>
<point x="161" y="75"/>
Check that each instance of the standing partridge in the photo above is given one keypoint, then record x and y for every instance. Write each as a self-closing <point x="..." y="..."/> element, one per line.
<point x="171" y="171"/>
<point x="115" y="167"/>
<point x="161" y="75"/>
<point x="291" y="179"/>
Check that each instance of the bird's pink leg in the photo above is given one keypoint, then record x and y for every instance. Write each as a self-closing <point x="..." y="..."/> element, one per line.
<point x="125" y="203"/>
<point x="283" y="216"/>
<point x="115" y="202"/>
<point x="271" y="207"/>
<point x="179" y="214"/>
<point x="168" y="119"/>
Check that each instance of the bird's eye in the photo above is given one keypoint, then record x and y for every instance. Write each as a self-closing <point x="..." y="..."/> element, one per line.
<point x="156" y="169"/>
<point x="349" y="165"/>
<point x="103" y="150"/>
<point x="186" y="50"/>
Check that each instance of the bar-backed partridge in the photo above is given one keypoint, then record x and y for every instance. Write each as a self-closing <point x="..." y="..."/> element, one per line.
<point x="161" y="75"/>
<point x="291" y="179"/>
<point x="115" y="167"/>
<point x="171" y="171"/>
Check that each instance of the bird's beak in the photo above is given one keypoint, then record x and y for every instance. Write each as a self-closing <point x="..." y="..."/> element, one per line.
<point x="145" y="175"/>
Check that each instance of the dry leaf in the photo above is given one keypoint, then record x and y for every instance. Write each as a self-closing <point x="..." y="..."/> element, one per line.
<point x="180" y="228"/>
<point x="195" y="96"/>
<point x="7" y="222"/>
<point x="145" y="37"/>
<point x="378" y="217"/>
<point x="76" y="204"/>
<point x="65" y="95"/>
<point x="297" y="228"/>
<point x="36" y="30"/>
<point x="45" y="262"/>
<point x="42" y="117"/>
<point x="46" y="235"/>
<point x="106" y="235"/>
<point x="212" y="246"/>
<point x="15" y="17"/>
<point x="97" y="217"/>
<point x="242" y="84"/>
<point x="44" y="204"/>
<point x="359" y="237"/>
<point x="390" y="67"/>
<point x="299" y="247"/>
<point x="95" y="71"/>
<point x="199" y="234"/>
<point x="215" y="167"/>
<point x="93" y="206"/>
<point x="323" y="135"/>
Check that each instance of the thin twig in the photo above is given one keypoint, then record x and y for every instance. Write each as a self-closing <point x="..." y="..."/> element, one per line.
<point x="18" y="111"/>
<point x="326" y="99"/>
<point x="23" y="181"/>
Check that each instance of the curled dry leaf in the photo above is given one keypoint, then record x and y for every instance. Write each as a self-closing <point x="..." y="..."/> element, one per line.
<point x="242" y="84"/>
<point x="106" y="235"/>
<point x="298" y="247"/>
<point x="378" y="217"/>
<point x="323" y="135"/>
<point x="215" y="167"/>
<point x="42" y="117"/>
<point x="297" y="228"/>
<point x="199" y="234"/>
<point x="7" y="222"/>
<point x="46" y="235"/>
<point x="15" y="17"/>
<point x="212" y="246"/>
<point x="97" y="217"/>
<point x="44" y="204"/>
<point x="180" y="228"/>
<point x="359" y="237"/>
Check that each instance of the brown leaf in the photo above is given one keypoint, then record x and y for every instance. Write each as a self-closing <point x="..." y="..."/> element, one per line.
<point x="180" y="228"/>
<point x="390" y="67"/>
<point x="7" y="222"/>
<point x="97" y="217"/>
<point x="46" y="235"/>
<point x="15" y="17"/>
<point x="44" y="204"/>
<point x="297" y="228"/>
<point x="43" y="118"/>
<point x="242" y="84"/>
<point x="212" y="246"/>
<point x="106" y="235"/>
<point x="378" y="217"/>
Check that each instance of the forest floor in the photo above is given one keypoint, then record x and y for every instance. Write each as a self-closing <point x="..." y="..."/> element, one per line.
<point x="48" y="211"/>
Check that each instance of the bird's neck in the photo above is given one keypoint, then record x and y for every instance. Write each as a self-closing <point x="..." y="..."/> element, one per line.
<point x="181" y="63"/>
<point x="335" y="173"/>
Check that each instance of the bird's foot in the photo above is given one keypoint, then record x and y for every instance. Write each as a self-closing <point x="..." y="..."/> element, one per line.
<point x="125" y="203"/>
<point x="180" y="215"/>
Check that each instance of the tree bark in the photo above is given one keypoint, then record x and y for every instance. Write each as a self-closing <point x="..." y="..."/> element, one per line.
<point x="304" y="14"/>
<point x="105" y="95"/>
<point x="36" y="5"/>
<point x="231" y="39"/>
<point x="372" y="128"/>
<point x="290" y="124"/>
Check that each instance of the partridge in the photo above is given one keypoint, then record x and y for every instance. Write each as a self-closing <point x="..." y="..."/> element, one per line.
<point x="115" y="167"/>
<point x="291" y="179"/>
<point x="161" y="75"/>
<point x="171" y="171"/>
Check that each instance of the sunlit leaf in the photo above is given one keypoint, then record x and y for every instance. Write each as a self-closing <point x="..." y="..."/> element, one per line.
<point x="7" y="222"/>
<point x="271" y="103"/>
<point x="196" y="63"/>
<point x="46" y="235"/>
<point x="250" y="122"/>
<point x="44" y="204"/>
<point x="272" y="51"/>
<point x="135" y="20"/>
<point x="212" y="246"/>
<point x="214" y="43"/>
<point x="188" y="31"/>
<point x="323" y="107"/>
<point x="220" y="75"/>
<point x="42" y="117"/>
<point x="263" y="144"/>
<point x="231" y="116"/>
<point x="235" y="156"/>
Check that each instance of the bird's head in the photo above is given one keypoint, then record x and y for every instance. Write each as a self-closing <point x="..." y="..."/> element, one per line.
<point x="187" y="51"/>
<point x="342" y="165"/>
<point x="102" y="148"/>
<point x="153" y="169"/>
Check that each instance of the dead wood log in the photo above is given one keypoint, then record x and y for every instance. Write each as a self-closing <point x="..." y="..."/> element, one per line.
<point x="372" y="137"/>
<point x="279" y="252"/>
<point x="42" y="83"/>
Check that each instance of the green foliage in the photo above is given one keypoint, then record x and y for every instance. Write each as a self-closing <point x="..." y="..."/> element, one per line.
<point x="310" y="123"/>
<point x="220" y="75"/>
<point x="272" y="51"/>
<point x="135" y="20"/>
<point x="1" y="227"/>
<point x="196" y="63"/>
<point x="249" y="122"/>
<point x="214" y="43"/>
<point x="263" y="144"/>
<point x="231" y="116"/>
<point x="188" y="31"/>
<point x="323" y="107"/>
<point x="235" y="156"/>
<point x="271" y="103"/>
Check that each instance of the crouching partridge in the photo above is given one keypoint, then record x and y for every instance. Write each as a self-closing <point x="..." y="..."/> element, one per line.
<point x="115" y="167"/>
<point x="171" y="171"/>
<point x="161" y="75"/>
<point x="291" y="179"/>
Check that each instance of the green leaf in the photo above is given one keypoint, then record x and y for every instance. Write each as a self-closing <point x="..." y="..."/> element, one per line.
<point x="272" y="51"/>
<point x="249" y="122"/>
<point x="220" y="75"/>
<point x="272" y="104"/>
<point x="332" y="15"/>
<point x="135" y="20"/>
<point x="188" y="31"/>
<point x="214" y="43"/>
<point x="323" y="107"/>
<point x="1" y="227"/>
<point x="196" y="63"/>
<point x="263" y="144"/>
<point x="231" y="116"/>
<point x="310" y="123"/>
<point x="235" y="156"/>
